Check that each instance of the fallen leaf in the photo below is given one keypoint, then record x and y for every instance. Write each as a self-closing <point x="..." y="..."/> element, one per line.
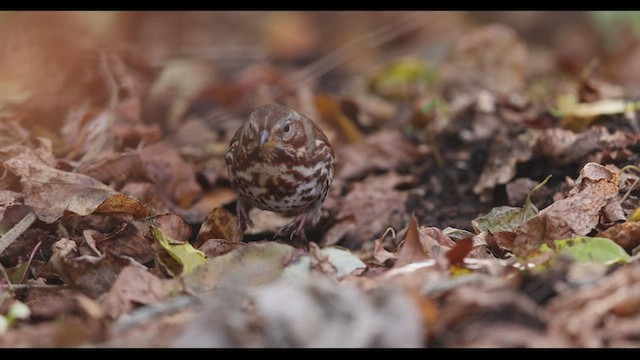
<point x="51" y="192"/>
<point x="504" y="154"/>
<point x="381" y="255"/>
<point x="471" y="308"/>
<point x="412" y="249"/>
<point x="9" y="199"/>
<point x="47" y="303"/>
<point x="115" y="167"/>
<point x="626" y="235"/>
<point x="174" y="227"/>
<point x="385" y="207"/>
<point x="575" y="215"/>
<point x="134" y="286"/>
<point x="217" y="247"/>
<point x="219" y="224"/>
<point x="122" y="204"/>
<point x="507" y="218"/>
<point x="92" y="275"/>
<point x="381" y="151"/>
<point x="125" y="241"/>
<point x="250" y="265"/>
<point x="586" y="314"/>
<point x="590" y="249"/>
<point x="171" y="173"/>
<point x="331" y="261"/>
<point x="457" y="254"/>
<point x="185" y="254"/>
<point x="518" y="189"/>
<point x="564" y="146"/>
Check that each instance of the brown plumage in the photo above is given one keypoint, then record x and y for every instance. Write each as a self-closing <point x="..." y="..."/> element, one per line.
<point x="280" y="161"/>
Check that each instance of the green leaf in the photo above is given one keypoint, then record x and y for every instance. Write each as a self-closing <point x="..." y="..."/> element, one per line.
<point x="590" y="249"/>
<point x="344" y="262"/>
<point x="508" y="218"/>
<point x="188" y="256"/>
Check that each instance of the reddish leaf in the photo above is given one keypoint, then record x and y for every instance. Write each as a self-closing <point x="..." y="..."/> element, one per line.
<point x="411" y="249"/>
<point x="457" y="254"/>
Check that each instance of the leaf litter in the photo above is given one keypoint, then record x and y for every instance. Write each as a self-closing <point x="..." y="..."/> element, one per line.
<point x="482" y="195"/>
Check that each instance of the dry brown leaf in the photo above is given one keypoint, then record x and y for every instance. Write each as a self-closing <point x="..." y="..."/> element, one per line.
<point x="613" y="212"/>
<point x="125" y="241"/>
<point x="381" y="255"/>
<point x="147" y="193"/>
<point x="565" y="146"/>
<point x="500" y="242"/>
<point x="469" y="309"/>
<point x="217" y="247"/>
<point x="587" y="313"/>
<point x="122" y="204"/>
<point x="577" y="214"/>
<point x="51" y="192"/>
<point x="626" y="234"/>
<point x="174" y="227"/>
<point x="412" y="249"/>
<point x="47" y="303"/>
<point x="134" y="286"/>
<point x="9" y="199"/>
<point x="90" y="275"/>
<point x="381" y="151"/>
<point x="74" y="331"/>
<point x="505" y="153"/>
<point x="172" y="175"/>
<point x="461" y="249"/>
<point x="365" y="213"/>
<point x="219" y="224"/>
<point x="116" y="167"/>
<point x="518" y="189"/>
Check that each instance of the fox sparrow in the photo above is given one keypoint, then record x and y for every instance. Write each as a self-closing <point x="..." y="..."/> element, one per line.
<point x="280" y="161"/>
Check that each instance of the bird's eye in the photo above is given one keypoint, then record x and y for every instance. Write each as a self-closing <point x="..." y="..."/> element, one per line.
<point x="287" y="129"/>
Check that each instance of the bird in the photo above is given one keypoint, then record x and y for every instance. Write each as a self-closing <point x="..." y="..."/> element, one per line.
<point x="281" y="161"/>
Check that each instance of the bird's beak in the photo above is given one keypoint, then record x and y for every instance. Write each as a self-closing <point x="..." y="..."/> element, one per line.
<point x="266" y="140"/>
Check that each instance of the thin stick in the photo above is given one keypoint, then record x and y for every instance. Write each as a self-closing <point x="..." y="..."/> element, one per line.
<point x="16" y="231"/>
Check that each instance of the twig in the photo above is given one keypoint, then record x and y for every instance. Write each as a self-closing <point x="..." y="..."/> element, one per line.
<point x="16" y="231"/>
<point x="147" y="313"/>
<point x="36" y="286"/>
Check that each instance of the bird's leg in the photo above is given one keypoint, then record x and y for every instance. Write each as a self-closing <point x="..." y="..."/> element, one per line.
<point x="296" y="228"/>
<point x="242" y="218"/>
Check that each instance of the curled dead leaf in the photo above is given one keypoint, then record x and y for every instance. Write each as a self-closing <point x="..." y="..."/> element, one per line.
<point x="575" y="215"/>
<point x="219" y="224"/>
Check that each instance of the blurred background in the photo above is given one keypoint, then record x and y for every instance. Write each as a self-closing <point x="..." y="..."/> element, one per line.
<point x="47" y="52"/>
